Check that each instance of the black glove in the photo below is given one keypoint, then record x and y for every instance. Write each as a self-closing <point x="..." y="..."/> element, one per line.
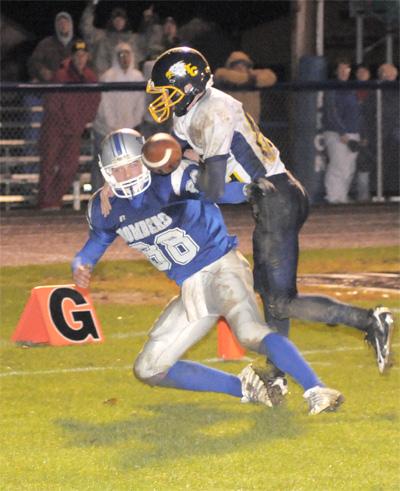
<point x="259" y="187"/>
<point x="353" y="145"/>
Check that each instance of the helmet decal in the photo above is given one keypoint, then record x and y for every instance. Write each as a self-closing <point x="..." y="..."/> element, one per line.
<point x="180" y="69"/>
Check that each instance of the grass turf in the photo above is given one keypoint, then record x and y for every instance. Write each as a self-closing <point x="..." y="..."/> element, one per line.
<point x="74" y="418"/>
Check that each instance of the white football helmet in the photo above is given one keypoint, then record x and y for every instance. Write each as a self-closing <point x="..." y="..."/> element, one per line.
<point x="120" y="162"/>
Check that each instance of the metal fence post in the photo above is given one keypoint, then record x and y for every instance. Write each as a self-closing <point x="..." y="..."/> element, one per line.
<point x="379" y="160"/>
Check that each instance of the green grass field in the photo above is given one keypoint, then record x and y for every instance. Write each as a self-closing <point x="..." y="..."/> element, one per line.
<point x="74" y="418"/>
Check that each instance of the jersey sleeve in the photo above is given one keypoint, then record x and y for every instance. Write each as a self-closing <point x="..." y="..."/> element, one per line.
<point x="218" y="128"/>
<point x="184" y="181"/>
<point x="100" y="237"/>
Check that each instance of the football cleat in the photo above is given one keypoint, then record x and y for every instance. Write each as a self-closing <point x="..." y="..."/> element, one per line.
<point x="379" y="335"/>
<point x="322" y="399"/>
<point x="254" y="389"/>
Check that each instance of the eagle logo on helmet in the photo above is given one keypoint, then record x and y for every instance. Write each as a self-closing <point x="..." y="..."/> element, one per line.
<point x="180" y="69"/>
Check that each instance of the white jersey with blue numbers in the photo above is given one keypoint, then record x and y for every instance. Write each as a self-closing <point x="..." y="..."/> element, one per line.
<point x="217" y="126"/>
<point x="176" y="231"/>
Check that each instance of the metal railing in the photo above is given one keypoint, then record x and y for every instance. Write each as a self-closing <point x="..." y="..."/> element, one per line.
<point x="27" y="125"/>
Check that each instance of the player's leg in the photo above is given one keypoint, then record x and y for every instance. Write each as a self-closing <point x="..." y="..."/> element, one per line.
<point x="279" y="213"/>
<point x="233" y="296"/>
<point x="276" y="257"/>
<point x="171" y="336"/>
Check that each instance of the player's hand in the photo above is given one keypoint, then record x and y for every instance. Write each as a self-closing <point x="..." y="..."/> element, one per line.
<point x="344" y="139"/>
<point x="148" y="13"/>
<point x="190" y="154"/>
<point x="105" y="195"/>
<point x="82" y="275"/>
<point x="258" y="188"/>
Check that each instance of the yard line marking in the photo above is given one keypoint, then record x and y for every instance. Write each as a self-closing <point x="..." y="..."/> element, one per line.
<point x="129" y="367"/>
<point x="344" y="348"/>
<point x="63" y="370"/>
<point x="124" y="335"/>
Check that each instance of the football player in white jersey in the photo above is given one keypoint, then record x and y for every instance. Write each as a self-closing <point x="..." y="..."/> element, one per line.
<point x="185" y="237"/>
<point x="232" y="147"/>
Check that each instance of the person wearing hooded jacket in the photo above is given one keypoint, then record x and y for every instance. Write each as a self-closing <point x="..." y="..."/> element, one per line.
<point x="49" y="53"/>
<point x="117" y="109"/>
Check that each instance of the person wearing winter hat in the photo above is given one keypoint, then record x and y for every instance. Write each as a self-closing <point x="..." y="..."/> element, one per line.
<point x="49" y="53"/>
<point x="239" y="73"/>
<point x="66" y="115"/>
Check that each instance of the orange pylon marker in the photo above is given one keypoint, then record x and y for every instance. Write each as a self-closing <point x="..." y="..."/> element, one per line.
<point x="58" y="315"/>
<point x="229" y="347"/>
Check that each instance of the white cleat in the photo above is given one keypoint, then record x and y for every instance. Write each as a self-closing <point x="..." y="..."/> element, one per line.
<point x="322" y="399"/>
<point x="379" y="336"/>
<point x="255" y="389"/>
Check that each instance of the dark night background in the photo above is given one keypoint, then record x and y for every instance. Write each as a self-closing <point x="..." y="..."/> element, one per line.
<point x="38" y="16"/>
<point x="232" y="18"/>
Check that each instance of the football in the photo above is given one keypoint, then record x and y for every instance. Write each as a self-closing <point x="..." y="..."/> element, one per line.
<point x="161" y="153"/>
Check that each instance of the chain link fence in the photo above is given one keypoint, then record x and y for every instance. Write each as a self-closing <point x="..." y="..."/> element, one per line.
<point x="47" y="145"/>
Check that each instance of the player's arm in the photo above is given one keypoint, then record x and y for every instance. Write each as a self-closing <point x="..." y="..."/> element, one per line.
<point x="185" y="184"/>
<point x="217" y="134"/>
<point x="85" y="260"/>
<point x="99" y="240"/>
<point x="184" y="144"/>
<point x="211" y="179"/>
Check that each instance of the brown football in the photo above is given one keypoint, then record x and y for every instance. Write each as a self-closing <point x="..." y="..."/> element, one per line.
<point x="161" y="153"/>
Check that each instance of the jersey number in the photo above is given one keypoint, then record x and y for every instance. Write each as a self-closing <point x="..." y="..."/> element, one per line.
<point x="177" y="245"/>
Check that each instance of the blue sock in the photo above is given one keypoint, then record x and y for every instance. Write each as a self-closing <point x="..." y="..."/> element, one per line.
<point x="285" y="356"/>
<point x="188" y="375"/>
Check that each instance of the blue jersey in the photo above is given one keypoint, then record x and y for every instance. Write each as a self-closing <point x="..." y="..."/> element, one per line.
<point x="177" y="231"/>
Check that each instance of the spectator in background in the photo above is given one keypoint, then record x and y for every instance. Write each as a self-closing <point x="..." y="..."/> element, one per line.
<point x="45" y="60"/>
<point x="170" y="38"/>
<point x="102" y="42"/>
<point x="365" y="158"/>
<point x="65" y="117"/>
<point x="51" y="51"/>
<point x="341" y="122"/>
<point x="363" y="74"/>
<point x="117" y="109"/>
<point x="390" y="130"/>
<point x="150" y="33"/>
<point x="239" y="73"/>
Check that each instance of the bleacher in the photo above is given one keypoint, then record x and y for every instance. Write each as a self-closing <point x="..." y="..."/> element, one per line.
<point x="20" y="159"/>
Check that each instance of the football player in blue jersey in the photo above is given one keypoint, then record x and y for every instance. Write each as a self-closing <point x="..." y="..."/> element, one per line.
<point x="232" y="147"/>
<point x="185" y="237"/>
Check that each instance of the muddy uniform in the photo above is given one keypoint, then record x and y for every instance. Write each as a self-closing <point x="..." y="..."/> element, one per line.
<point x="230" y="143"/>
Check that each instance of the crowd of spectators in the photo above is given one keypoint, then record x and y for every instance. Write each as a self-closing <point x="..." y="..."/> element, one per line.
<point x="117" y="53"/>
<point x="350" y="134"/>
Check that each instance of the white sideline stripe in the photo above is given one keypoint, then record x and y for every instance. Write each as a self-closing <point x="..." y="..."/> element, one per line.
<point x="129" y="367"/>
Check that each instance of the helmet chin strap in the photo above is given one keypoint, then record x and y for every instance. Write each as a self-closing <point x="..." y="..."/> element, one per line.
<point x="195" y="100"/>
